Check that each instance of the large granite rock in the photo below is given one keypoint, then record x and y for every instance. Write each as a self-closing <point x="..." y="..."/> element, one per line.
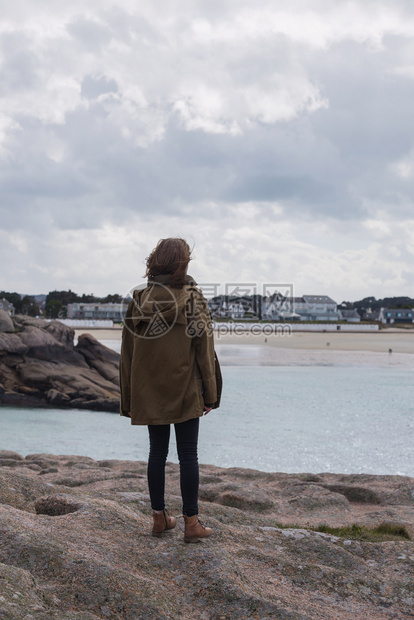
<point x="40" y="366"/>
<point x="75" y="543"/>
<point x="102" y="359"/>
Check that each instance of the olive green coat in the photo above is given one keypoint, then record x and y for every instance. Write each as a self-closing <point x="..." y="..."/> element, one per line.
<point x="168" y="367"/>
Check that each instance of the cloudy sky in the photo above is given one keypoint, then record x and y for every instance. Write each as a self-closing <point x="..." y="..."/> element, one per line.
<point x="276" y="137"/>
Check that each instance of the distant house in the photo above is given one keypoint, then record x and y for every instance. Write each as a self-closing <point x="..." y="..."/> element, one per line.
<point x="278" y="308"/>
<point x="7" y="306"/>
<point x="396" y="315"/>
<point x="214" y="306"/>
<point x="236" y="310"/>
<point x="350" y="316"/>
<point x="319" y="308"/>
<point x="218" y="307"/>
<point x="305" y="308"/>
<point x="231" y="306"/>
<point x="371" y="315"/>
<point x="116" y="312"/>
<point x="270" y="309"/>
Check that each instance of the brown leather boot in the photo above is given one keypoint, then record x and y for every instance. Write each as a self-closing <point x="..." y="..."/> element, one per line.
<point x="194" y="529"/>
<point x="162" y="522"/>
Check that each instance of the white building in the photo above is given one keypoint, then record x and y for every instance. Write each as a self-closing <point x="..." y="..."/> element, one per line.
<point x="92" y="311"/>
<point x="236" y="310"/>
<point x="305" y="308"/>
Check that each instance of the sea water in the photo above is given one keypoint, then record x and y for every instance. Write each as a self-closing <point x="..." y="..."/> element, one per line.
<point x="273" y="418"/>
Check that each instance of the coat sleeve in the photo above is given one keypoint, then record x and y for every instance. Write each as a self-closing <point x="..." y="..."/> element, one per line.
<point x="204" y="348"/>
<point x="219" y="383"/>
<point x="127" y="349"/>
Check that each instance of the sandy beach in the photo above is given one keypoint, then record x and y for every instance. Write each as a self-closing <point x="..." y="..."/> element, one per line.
<point x="301" y="348"/>
<point x="400" y="341"/>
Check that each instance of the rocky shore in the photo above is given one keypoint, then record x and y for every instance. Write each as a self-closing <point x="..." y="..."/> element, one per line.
<point x="40" y="366"/>
<point x="75" y="544"/>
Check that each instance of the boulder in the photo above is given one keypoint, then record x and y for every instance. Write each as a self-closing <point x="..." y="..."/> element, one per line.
<point x="40" y="366"/>
<point x="12" y="344"/>
<point x="245" y="496"/>
<point x="63" y="333"/>
<point x="6" y="324"/>
<point x="9" y="454"/>
<point x="310" y="498"/>
<point x="22" y="320"/>
<point x="18" y="488"/>
<point x="41" y="344"/>
<point x="56" y="398"/>
<point x="99" y="357"/>
<point x="77" y="383"/>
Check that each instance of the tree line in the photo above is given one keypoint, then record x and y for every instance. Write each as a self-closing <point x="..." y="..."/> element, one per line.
<point x="376" y="304"/>
<point x="22" y="304"/>
<point x="56" y="302"/>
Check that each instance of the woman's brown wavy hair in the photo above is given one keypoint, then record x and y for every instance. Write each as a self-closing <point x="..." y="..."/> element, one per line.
<point x="171" y="256"/>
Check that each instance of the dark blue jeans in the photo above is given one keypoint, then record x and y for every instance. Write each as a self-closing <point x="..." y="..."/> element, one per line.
<point x="186" y="435"/>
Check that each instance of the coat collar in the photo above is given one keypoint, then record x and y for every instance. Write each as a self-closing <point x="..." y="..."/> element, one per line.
<point x="165" y="278"/>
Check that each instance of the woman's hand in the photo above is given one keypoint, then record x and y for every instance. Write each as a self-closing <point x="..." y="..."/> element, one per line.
<point x="207" y="409"/>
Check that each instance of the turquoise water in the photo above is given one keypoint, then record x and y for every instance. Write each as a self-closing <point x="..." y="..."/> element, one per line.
<point x="290" y="419"/>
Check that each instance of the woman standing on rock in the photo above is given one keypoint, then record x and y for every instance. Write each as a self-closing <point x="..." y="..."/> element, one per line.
<point x="170" y="375"/>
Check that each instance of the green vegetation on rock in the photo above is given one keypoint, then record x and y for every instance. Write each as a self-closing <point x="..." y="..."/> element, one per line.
<point x="382" y="532"/>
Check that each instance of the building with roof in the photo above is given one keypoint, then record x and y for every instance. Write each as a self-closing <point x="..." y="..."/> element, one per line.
<point x="231" y="306"/>
<point x="319" y="308"/>
<point x="93" y="311"/>
<point x="396" y="315"/>
<point x="308" y="308"/>
<point x="350" y="315"/>
<point x="280" y="308"/>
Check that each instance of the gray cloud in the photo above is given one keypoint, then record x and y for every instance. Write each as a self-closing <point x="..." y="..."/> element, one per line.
<point x="207" y="120"/>
<point x="19" y="63"/>
<point x="270" y="188"/>
<point x="90" y="34"/>
<point x="93" y="86"/>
